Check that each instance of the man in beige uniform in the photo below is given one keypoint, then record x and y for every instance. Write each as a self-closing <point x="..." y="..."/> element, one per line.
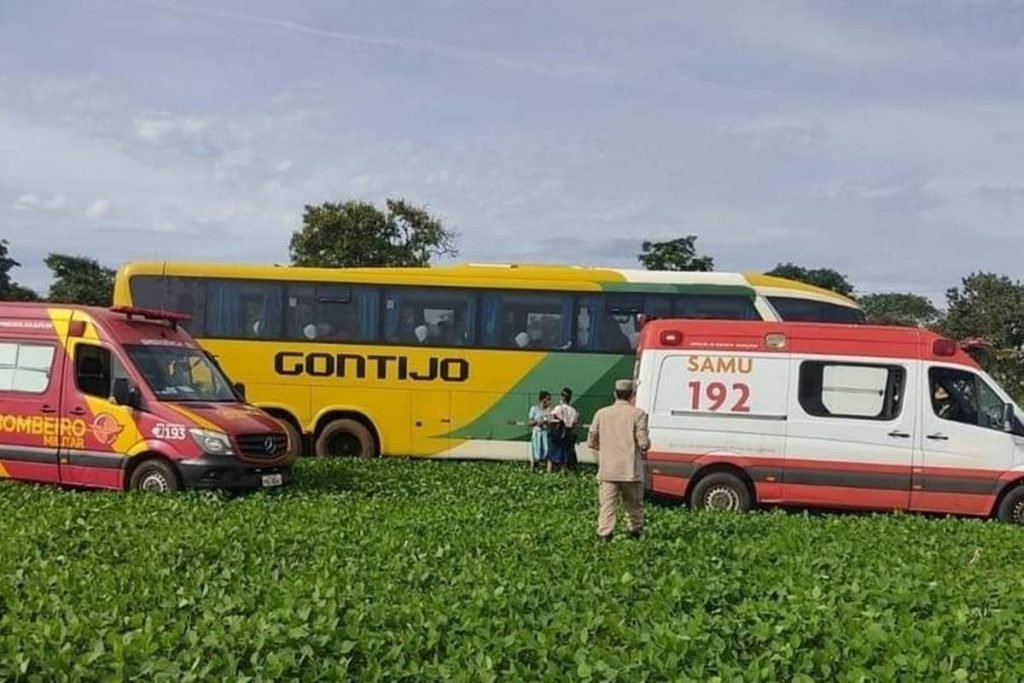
<point x="618" y="434"/>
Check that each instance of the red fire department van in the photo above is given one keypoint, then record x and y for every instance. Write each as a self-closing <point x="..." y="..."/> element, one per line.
<point x="879" y="418"/>
<point x="125" y="399"/>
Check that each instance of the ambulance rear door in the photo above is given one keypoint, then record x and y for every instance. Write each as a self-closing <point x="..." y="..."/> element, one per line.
<point x="720" y="407"/>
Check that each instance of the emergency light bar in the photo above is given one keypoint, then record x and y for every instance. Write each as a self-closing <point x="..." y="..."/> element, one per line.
<point x="152" y="314"/>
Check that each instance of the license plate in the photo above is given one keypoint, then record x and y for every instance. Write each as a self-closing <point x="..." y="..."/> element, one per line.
<point x="272" y="480"/>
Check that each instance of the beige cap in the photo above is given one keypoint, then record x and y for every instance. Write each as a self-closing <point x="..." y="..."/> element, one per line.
<point x="624" y="385"/>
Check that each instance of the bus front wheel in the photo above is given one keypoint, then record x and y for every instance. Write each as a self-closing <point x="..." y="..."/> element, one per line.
<point x="345" y="438"/>
<point x="294" y="438"/>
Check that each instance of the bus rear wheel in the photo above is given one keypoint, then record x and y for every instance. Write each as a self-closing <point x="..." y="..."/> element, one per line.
<point x="346" y="439"/>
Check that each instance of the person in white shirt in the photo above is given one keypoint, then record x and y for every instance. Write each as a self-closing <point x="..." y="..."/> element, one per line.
<point x="562" y="424"/>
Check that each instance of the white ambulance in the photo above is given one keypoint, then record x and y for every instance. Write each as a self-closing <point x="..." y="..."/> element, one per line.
<point x="837" y="416"/>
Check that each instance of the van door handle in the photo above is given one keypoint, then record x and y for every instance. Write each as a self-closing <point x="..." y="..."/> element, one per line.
<point x="47" y="409"/>
<point x="77" y="411"/>
<point x="938" y="437"/>
<point x="899" y="435"/>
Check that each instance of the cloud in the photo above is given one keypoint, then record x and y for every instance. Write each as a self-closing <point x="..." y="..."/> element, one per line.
<point x="162" y="129"/>
<point x="98" y="209"/>
<point x="40" y="202"/>
<point x="283" y="166"/>
<point x="560" y="71"/>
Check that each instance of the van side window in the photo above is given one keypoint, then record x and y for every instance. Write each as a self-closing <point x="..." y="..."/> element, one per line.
<point x="96" y="368"/>
<point x="851" y="390"/>
<point x="25" y="368"/>
<point x="963" y="396"/>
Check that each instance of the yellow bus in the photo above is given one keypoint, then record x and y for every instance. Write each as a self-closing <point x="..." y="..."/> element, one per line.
<point x="442" y="361"/>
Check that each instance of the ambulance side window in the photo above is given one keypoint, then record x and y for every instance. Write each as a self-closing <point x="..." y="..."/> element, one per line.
<point x="96" y="368"/>
<point x="851" y="390"/>
<point x="25" y="368"/>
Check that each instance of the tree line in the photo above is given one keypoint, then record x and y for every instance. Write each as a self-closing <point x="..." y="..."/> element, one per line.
<point x="354" y="233"/>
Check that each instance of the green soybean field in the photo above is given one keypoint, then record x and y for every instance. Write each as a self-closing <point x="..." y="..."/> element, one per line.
<point x="413" y="571"/>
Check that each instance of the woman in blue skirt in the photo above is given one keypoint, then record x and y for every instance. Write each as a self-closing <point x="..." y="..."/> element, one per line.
<point x="540" y="444"/>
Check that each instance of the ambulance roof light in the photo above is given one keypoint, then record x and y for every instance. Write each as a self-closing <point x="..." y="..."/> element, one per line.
<point x="671" y="337"/>
<point x="944" y="347"/>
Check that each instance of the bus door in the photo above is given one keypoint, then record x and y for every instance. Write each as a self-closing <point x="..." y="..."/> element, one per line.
<point x="431" y="421"/>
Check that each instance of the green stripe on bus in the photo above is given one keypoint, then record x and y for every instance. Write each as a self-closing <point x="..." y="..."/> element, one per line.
<point x="590" y="376"/>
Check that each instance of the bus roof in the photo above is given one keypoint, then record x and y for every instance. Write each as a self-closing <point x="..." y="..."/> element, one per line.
<point x="526" y="276"/>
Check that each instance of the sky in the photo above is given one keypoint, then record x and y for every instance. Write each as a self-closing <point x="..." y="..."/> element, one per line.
<point x="883" y="139"/>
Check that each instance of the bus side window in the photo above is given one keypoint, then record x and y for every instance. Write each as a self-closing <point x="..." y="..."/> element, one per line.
<point x="243" y="310"/>
<point x="722" y="307"/>
<point x="429" y="317"/>
<point x="528" y="321"/>
<point x="178" y="294"/>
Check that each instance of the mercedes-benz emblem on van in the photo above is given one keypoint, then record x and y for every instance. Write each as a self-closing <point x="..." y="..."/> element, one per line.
<point x="268" y="443"/>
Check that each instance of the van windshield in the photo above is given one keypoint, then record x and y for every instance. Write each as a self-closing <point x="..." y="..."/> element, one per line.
<point x="177" y="373"/>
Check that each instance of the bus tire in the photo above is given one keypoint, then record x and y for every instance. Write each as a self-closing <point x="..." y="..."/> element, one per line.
<point x="1011" y="507"/>
<point x="294" y="438"/>
<point x="154" y="476"/>
<point x="721" y="491"/>
<point x="345" y="438"/>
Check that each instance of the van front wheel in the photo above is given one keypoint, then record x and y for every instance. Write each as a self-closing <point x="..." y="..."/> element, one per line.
<point x="154" y="476"/>
<point x="721" y="491"/>
<point x="345" y="438"/>
<point x="1011" y="509"/>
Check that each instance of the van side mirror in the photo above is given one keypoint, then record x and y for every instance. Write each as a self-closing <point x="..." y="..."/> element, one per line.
<point x="125" y="394"/>
<point x="240" y="390"/>
<point x="1008" y="418"/>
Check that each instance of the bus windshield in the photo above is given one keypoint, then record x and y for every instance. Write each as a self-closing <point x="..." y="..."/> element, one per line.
<point x="177" y="373"/>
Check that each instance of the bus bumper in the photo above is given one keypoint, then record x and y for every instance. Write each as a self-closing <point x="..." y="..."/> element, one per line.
<point x="218" y="472"/>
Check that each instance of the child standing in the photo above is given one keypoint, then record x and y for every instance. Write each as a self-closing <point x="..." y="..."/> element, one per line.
<point x="538" y="419"/>
<point x="563" y="420"/>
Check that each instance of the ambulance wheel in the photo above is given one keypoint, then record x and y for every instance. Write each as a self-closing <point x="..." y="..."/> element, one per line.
<point x="721" y="491"/>
<point x="346" y="439"/>
<point x="1011" y="509"/>
<point x="154" y="476"/>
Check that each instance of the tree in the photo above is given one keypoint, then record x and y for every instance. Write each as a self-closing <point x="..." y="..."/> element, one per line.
<point x="826" y="278"/>
<point x="358" y="234"/>
<point x="10" y="290"/>
<point x="677" y="254"/>
<point x="894" y="308"/>
<point x="991" y="307"/>
<point x="80" y="280"/>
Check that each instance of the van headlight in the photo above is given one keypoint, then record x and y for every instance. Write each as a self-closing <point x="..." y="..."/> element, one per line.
<point x="214" y="443"/>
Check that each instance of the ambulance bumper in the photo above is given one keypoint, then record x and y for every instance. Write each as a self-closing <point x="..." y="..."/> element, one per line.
<point x="218" y="472"/>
